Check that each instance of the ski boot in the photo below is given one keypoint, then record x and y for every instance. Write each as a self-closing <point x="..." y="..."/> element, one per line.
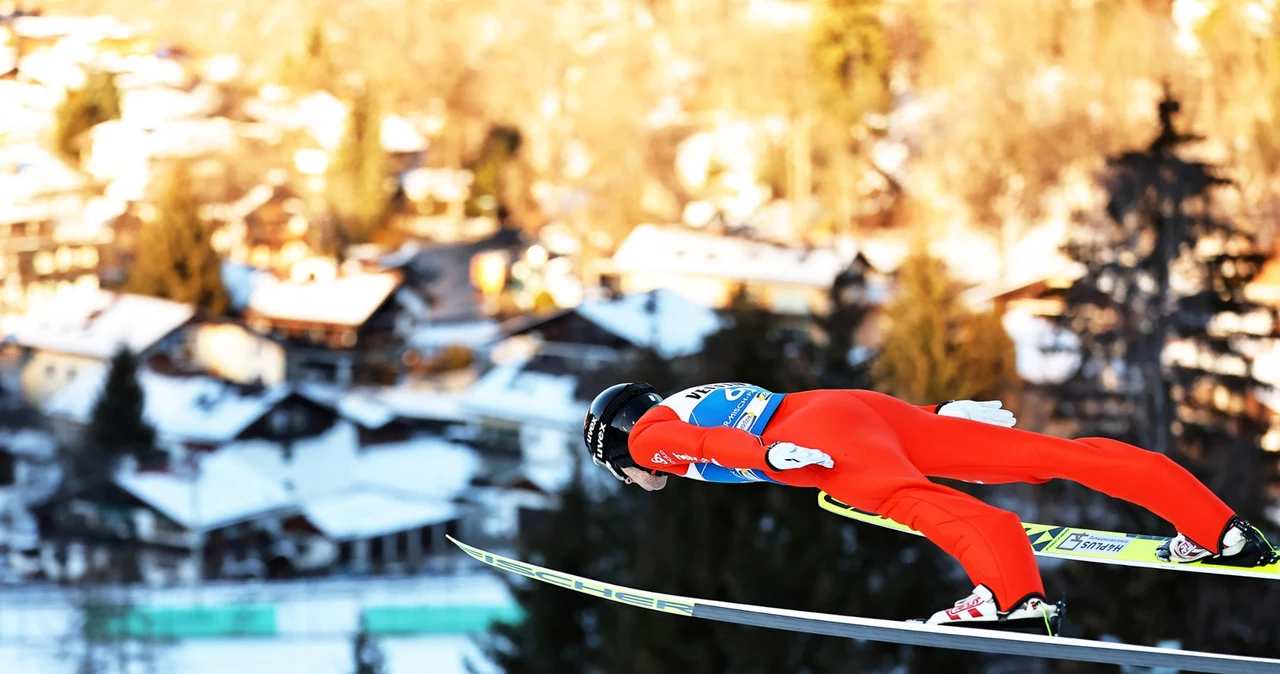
<point x="1241" y="544"/>
<point x="1032" y="614"/>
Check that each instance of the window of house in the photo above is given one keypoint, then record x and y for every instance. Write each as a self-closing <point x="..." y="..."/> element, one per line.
<point x="402" y="544"/>
<point x="43" y="263"/>
<point x="279" y="421"/>
<point x="62" y="258"/>
<point x="426" y="539"/>
<point x="345" y="553"/>
<point x="8" y="468"/>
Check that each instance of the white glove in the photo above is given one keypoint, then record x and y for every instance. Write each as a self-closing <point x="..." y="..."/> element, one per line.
<point x="785" y="456"/>
<point x="988" y="412"/>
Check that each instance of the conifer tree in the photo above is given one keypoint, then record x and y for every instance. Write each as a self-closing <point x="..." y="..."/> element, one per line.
<point x="117" y="426"/>
<point x="934" y="349"/>
<point x="96" y="102"/>
<point x="175" y="258"/>
<point x="849" y="308"/>
<point x="366" y="653"/>
<point x="489" y="169"/>
<point x="1162" y="369"/>
<point x="851" y="57"/>
<point x="359" y="173"/>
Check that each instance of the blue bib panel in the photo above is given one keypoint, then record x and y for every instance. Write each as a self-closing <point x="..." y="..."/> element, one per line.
<point x="736" y="405"/>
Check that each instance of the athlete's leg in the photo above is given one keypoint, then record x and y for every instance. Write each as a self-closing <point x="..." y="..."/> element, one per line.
<point x="944" y="446"/>
<point x="872" y="473"/>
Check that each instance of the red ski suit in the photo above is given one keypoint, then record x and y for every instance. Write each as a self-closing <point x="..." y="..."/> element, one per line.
<point x="885" y="450"/>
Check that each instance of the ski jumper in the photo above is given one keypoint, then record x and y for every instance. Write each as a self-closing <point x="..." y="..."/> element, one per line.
<point x="885" y="450"/>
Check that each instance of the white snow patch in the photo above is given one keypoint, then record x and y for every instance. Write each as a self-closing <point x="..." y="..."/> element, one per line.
<point x="676" y="327"/>
<point x="190" y="408"/>
<point x="96" y="323"/>
<point x="471" y="334"/>
<point x="346" y="300"/>
<point x="366" y="513"/>
<point x="223" y="490"/>
<point x="510" y="393"/>
<point x="330" y="654"/>
<point x="240" y="281"/>
<point x="426" y="466"/>
<point x="672" y="250"/>
<point x="412" y="402"/>
<point x="1030" y="334"/>
<point x="320" y="465"/>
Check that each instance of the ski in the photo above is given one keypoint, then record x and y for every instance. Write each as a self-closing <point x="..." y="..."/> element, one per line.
<point x="891" y="631"/>
<point x="1078" y="543"/>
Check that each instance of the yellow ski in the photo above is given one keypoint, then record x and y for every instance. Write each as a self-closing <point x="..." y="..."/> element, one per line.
<point x="1086" y="545"/>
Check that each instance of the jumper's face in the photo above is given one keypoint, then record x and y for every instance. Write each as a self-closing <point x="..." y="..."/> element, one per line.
<point x="644" y="478"/>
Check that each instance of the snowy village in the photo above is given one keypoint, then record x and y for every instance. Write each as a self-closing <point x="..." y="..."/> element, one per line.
<point x="294" y="296"/>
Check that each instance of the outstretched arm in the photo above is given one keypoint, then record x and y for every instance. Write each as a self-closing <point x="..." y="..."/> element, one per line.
<point x="660" y="439"/>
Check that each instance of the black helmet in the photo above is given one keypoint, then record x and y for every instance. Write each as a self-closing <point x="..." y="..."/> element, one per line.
<point x="609" y="421"/>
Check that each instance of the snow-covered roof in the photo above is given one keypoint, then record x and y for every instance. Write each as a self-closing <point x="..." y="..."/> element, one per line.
<point x="1031" y="334"/>
<point x="29" y="443"/>
<point x="410" y="402"/>
<point x="352" y="493"/>
<point x="424" y="467"/>
<point x="320" y="465"/>
<point x="240" y="280"/>
<point x="95" y="323"/>
<point x="360" y="406"/>
<point x="549" y="477"/>
<point x="155" y="107"/>
<point x="28" y="170"/>
<point x="427" y="467"/>
<point x="187" y="408"/>
<point x="678" y="324"/>
<point x="676" y="250"/>
<point x="375" y="406"/>
<point x="366" y="513"/>
<point x="345" y="300"/>
<point x="441" y="184"/>
<point x="223" y="491"/>
<point x="87" y="28"/>
<point x="511" y="393"/>
<point x="466" y="333"/>
<point x="400" y="135"/>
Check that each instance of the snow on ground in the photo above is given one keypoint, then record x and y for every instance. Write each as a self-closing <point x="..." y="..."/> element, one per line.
<point x="413" y="655"/>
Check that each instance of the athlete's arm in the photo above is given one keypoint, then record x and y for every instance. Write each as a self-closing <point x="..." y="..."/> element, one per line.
<point x="661" y="439"/>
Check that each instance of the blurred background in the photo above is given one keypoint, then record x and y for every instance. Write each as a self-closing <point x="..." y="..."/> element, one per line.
<point x="290" y="291"/>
